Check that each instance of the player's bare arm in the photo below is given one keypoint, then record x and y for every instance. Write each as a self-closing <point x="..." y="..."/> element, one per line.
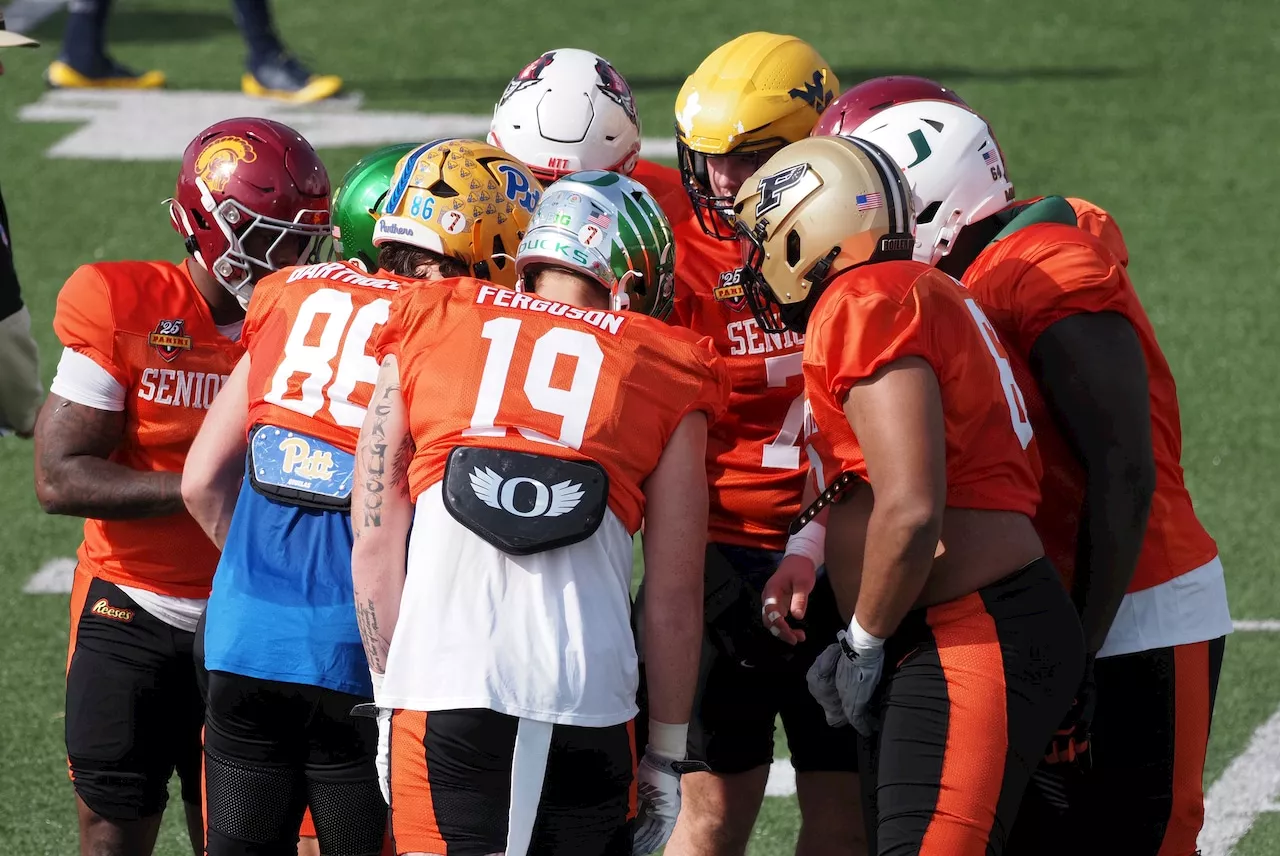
<point x="897" y="417"/>
<point x="74" y="476"/>
<point x="215" y="465"/>
<point x="381" y="513"/>
<point x="1092" y="373"/>
<point x="674" y="547"/>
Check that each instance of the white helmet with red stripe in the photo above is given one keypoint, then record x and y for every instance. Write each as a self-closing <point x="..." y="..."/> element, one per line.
<point x="953" y="163"/>
<point x="567" y="111"/>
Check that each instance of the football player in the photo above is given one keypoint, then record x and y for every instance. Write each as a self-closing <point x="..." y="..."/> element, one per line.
<point x="871" y="96"/>
<point x="281" y="647"/>
<point x="571" y="110"/>
<point x="355" y="211"/>
<point x="962" y="651"/>
<point x="746" y="100"/>
<point x="525" y="469"/>
<point x="147" y="346"/>
<point x="1116" y="516"/>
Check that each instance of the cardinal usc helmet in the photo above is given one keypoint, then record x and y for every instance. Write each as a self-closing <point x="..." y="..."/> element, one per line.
<point x="356" y="201"/>
<point x="566" y="111"/>
<point x="817" y="208"/>
<point x="750" y="97"/>
<point x="607" y="227"/>
<point x="252" y="197"/>
<point x="953" y="163"/>
<point x="871" y="96"/>
<point x="463" y="199"/>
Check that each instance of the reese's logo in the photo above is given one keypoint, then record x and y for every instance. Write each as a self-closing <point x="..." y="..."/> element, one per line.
<point x="115" y="613"/>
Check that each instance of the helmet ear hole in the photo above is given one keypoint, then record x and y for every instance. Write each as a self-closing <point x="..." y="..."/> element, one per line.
<point x="499" y="252"/>
<point x="198" y="219"/>
<point x="930" y="211"/>
<point x="442" y="190"/>
<point x="793" y="248"/>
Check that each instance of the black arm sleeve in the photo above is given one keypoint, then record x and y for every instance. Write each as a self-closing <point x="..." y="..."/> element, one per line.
<point x="1093" y="375"/>
<point x="10" y="293"/>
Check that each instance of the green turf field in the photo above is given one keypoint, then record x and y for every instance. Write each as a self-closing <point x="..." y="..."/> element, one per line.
<point x="1162" y="111"/>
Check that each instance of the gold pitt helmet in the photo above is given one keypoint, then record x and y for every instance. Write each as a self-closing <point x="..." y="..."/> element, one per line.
<point x="463" y="199"/>
<point x="752" y="95"/>
<point x="819" y="207"/>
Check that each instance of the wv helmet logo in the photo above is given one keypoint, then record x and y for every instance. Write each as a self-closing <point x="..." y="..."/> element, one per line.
<point x="814" y="94"/>
<point x="553" y="501"/>
<point x="771" y="187"/>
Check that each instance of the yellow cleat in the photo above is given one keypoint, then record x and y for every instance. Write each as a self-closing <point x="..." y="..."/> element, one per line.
<point x="317" y="87"/>
<point x="59" y="75"/>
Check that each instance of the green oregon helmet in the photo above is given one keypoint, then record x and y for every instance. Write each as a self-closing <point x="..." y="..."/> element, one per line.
<point x="607" y="227"/>
<point x="355" y="204"/>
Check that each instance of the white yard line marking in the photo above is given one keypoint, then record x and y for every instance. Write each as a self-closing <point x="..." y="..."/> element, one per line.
<point x="54" y="577"/>
<point x="1265" y="625"/>
<point x="782" y="779"/>
<point x="1248" y="788"/>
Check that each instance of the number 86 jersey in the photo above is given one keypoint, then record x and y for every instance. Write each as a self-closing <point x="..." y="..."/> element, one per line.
<point x="310" y="333"/>
<point x="877" y="314"/>
<point x="486" y="366"/>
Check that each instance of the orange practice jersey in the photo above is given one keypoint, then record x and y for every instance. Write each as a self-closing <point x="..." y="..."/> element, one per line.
<point x="755" y="468"/>
<point x="1094" y="220"/>
<point x="876" y="314"/>
<point x="1041" y="274"/>
<point x="310" y="333"/>
<point x="482" y="365"/>
<point x="147" y="324"/>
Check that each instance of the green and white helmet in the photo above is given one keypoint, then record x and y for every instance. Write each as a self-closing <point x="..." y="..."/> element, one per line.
<point x="607" y="227"/>
<point x="355" y="204"/>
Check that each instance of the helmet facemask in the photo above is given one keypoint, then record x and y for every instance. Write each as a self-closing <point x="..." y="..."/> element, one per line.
<point x="243" y="263"/>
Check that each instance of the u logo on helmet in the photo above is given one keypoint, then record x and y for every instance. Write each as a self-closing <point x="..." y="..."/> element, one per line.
<point x="771" y="187"/>
<point x="219" y="159"/>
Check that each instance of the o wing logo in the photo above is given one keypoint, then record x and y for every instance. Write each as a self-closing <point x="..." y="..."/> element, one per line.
<point x="218" y="161"/>
<point x="771" y="187"/>
<point x="495" y="492"/>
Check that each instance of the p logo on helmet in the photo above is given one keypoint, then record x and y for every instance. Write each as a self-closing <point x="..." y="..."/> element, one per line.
<point x="218" y="161"/>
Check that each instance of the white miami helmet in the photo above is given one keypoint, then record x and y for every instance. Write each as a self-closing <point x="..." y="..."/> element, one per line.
<point x="953" y="164"/>
<point x="567" y="111"/>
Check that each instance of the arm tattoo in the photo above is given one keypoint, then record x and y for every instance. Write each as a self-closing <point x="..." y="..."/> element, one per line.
<point x="376" y="458"/>
<point x="367" y="619"/>
<point x="400" y="465"/>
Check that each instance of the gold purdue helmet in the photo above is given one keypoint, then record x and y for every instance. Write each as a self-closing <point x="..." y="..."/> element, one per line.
<point x="462" y="199"/>
<point x="751" y="96"/>
<point x="818" y="208"/>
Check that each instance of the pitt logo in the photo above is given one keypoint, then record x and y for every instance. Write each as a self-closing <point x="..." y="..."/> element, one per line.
<point x="169" y="339"/>
<point x="298" y="458"/>
<point x="218" y="162"/>
<point x="115" y="613"/>
<point x="771" y="187"/>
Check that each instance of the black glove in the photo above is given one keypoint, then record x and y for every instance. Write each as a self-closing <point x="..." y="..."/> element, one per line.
<point x="1070" y="743"/>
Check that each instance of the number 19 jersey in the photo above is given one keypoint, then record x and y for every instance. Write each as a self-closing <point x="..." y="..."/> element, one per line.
<point x="486" y="366"/>
<point x="545" y="636"/>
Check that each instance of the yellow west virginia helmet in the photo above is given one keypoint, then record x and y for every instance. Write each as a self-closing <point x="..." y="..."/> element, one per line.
<point x="463" y="199"/>
<point x="817" y="208"/>
<point x="751" y="96"/>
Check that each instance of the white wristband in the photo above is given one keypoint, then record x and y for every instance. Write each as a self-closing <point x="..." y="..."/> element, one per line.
<point x="667" y="740"/>
<point x="861" y="640"/>
<point x="810" y="542"/>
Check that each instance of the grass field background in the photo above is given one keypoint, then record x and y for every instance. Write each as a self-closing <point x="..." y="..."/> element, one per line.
<point x="1162" y="112"/>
